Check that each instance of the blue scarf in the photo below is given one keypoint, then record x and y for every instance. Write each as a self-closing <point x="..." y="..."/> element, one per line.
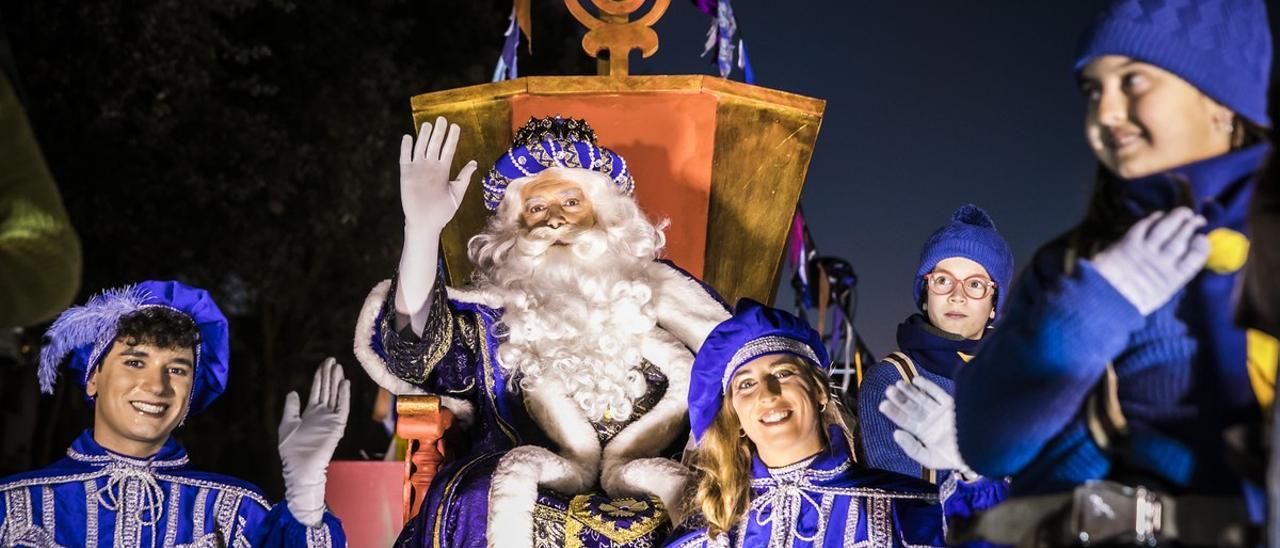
<point x="930" y="348"/>
<point x="1219" y="187"/>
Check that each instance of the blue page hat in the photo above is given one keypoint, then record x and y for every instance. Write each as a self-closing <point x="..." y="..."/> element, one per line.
<point x="753" y="331"/>
<point x="85" y="333"/>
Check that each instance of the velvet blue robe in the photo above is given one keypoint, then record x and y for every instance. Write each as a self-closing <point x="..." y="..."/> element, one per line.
<point x="456" y="357"/>
<point x="830" y="501"/>
<point x="94" y="497"/>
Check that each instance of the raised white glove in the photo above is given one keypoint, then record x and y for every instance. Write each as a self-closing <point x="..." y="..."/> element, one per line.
<point x="1155" y="258"/>
<point x="427" y="195"/>
<point x="926" y="416"/>
<point x="307" y="440"/>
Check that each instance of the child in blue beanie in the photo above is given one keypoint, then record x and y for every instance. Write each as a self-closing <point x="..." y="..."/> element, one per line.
<point x="905" y="407"/>
<point x="1117" y="357"/>
<point x="964" y="267"/>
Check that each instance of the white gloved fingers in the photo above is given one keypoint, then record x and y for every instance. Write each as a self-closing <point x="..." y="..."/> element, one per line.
<point x="920" y="401"/>
<point x="319" y="387"/>
<point x="912" y="447"/>
<point x="1176" y="245"/>
<point x="1197" y="254"/>
<point x="1164" y="229"/>
<point x="934" y="391"/>
<point x="450" y="145"/>
<point x="289" y="419"/>
<point x="406" y="150"/>
<point x="336" y="379"/>
<point x="458" y="187"/>
<point x="437" y="139"/>
<point x="1141" y="229"/>
<point x="344" y="401"/>
<point x="420" y="146"/>
<point x="906" y="400"/>
<point x="896" y="415"/>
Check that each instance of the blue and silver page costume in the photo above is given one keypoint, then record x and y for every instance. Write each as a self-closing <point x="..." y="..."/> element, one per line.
<point x="828" y="500"/>
<point x="94" y="497"/>
<point x="456" y="357"/>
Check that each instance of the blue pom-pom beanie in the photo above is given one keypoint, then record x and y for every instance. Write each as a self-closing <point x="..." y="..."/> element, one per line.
<point x="1222" y="47"/>
<point x="970" y="234"/>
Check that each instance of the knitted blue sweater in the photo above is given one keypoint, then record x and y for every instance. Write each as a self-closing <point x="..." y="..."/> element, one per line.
<point x="936" y="358"/>
<point x="1182" y="372"/>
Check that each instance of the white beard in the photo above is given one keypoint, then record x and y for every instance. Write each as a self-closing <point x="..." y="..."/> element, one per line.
<point x="576" y="315"/>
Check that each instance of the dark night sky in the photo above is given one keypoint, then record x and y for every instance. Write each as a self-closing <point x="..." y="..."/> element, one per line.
<point x="930" y="104"/>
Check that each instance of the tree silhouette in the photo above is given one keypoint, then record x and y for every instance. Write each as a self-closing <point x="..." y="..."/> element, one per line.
<point x="249" y="147"/>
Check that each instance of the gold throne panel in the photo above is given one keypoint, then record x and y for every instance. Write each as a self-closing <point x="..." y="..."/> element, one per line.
<point x="723" y="160"/>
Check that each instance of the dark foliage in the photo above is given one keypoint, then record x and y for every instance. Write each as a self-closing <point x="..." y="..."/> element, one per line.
<point x="249" y="147"/>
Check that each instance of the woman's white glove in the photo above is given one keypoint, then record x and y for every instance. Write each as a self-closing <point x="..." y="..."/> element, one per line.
<point x="926" y="416"/>
<point x="1155" y="258"/>
<point x="308" y="439"/>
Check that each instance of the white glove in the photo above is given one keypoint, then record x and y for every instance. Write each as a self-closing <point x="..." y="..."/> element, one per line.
<point x="428" y="197"/>
<point x="307" y="441"/>
<point x="926" y="415"/>
<point x="1155" y="259"/>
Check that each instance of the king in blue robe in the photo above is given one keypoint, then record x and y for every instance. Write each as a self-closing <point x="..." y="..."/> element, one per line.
<point x="567" y="376"/>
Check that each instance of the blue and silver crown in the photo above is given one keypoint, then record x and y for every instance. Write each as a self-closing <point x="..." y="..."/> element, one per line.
<point x="554" y="142"/>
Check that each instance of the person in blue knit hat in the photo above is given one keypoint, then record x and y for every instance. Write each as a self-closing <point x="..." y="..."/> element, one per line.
<point x="1117" y="358"/>
<point x="773" y="463"/>
<point x="146" y="356"/>
<point x="905" y="407"/>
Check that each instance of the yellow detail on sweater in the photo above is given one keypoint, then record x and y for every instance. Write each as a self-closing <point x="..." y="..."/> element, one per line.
<point x="965" y="357"/>
<point x="1262" y="351"/>
<point x="1228" y="250"/>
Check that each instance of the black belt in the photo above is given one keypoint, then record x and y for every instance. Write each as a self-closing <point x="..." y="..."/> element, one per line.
<point x="1104" y="512"/>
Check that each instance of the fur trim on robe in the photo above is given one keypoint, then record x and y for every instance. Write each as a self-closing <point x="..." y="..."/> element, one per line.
<point x="373" y="364"/>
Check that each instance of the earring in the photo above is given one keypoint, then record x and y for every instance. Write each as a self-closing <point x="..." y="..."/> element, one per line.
<point x="742" y="433"/>
<point x="1226" y="126"/>
<point x="823" y="409"/>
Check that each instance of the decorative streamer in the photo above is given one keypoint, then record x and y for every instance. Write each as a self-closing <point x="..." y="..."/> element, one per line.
<point x="519" y="22"/>
<point x="720" y="37"/>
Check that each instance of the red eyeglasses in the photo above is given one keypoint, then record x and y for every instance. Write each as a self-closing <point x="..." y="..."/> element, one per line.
<point x="941" y="282"/>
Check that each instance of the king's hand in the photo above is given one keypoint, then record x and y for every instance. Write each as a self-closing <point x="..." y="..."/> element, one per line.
<point x="427" y="195"/>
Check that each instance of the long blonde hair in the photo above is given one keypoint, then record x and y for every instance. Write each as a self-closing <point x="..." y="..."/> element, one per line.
<point x="722" y="461"/>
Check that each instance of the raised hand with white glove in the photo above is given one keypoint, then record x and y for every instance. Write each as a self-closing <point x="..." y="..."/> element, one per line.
<point x="308" y="439"/>
<point x="427" y="194"/>
<point x="1155" y="258"/>
<point x="926" y="416"/>
<point x="430" y="199"/>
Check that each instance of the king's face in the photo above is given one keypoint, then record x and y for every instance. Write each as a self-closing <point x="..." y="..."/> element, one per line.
<point x="554" y="202"/>
<point x="141" y="393"/>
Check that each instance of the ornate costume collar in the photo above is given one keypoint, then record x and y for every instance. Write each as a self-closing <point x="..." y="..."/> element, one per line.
<point x="86" y="450"/>
<point x="822" y="467"/>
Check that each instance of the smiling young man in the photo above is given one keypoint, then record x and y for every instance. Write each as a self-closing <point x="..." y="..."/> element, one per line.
<point x="147" y="356"/>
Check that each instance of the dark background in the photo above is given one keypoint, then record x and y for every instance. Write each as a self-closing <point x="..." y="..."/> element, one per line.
<point x="249" y="147"/>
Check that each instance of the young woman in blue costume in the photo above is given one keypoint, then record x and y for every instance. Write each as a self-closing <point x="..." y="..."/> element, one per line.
<point x="1117" y="356"/>
<point x="773" y="463"/>
<point x="905" y="406"/>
